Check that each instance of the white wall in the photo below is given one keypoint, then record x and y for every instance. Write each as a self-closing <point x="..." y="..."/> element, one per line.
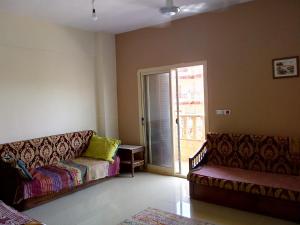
<point x="106" y="77"/>
<point x="48" y="80"/>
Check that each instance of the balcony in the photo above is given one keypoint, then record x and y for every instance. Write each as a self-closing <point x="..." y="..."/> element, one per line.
<point x="192" y="136"/>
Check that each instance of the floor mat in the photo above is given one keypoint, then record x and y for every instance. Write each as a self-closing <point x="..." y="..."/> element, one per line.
<point x="152" y="216"/>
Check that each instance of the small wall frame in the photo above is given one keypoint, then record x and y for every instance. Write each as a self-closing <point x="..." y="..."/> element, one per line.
<point x="286" y="67"/>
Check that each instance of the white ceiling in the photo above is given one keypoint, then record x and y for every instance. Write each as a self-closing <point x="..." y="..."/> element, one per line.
<point x="115" y="16"/>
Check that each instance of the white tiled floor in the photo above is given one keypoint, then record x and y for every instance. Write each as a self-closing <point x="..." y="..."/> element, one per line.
<point x="116" y="199"/>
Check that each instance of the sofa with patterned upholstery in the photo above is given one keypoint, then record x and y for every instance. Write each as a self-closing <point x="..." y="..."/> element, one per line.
<point x="250" y="172"/>
<point x="56" y="168"/>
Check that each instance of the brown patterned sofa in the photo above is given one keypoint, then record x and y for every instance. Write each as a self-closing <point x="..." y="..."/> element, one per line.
<point x="53" y="163"/>
<point x="254" y="173"/>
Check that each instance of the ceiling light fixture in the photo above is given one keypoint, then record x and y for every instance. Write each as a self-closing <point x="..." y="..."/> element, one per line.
<point x="94" y="14"/>
<point x="170" y="9"/>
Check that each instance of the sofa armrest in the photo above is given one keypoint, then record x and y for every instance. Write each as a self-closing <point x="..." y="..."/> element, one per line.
<point x="199" y="158"/>
<point x="10" y="182"/>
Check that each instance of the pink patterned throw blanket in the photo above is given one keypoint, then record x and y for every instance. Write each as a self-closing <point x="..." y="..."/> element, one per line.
<point x="9" y="216"/>
<point x="49" y="179"/>
<point x="66" y="175"/>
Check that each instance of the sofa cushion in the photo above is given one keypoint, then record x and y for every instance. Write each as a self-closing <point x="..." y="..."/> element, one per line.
<point x="261" y="183"/>
<point x="77" y="169"/>
<point x="46" y="180"/>
<point x="67" y="174"/>
<point x="96" y="169"/>
<point x="252" y="152"/>
<point x="49" y="179"/>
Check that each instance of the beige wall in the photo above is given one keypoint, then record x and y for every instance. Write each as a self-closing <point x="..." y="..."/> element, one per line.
<point x="106" y="85"/>
<point x="238" y="45"/>
<point x="48" y="78"/>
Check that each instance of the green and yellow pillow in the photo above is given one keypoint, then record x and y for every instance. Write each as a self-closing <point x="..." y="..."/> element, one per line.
<point x="102" y="148"/>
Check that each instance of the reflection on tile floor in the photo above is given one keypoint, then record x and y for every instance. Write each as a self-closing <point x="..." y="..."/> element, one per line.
<point x="116" y="199"/>
<point x="184" y="168"/>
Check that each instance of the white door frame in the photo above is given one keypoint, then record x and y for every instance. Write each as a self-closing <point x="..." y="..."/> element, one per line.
<point x="167" y="69"/>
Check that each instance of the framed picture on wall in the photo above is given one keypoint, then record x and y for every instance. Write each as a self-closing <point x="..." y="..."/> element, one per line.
<point x="286" y="67"/>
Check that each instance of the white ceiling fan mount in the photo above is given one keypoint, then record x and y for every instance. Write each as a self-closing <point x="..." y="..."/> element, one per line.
<point x="170" y="9"/>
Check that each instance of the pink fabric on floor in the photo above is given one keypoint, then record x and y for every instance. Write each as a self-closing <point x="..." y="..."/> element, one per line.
<point x="287" y="182"/>
<point x="9" y="216"/>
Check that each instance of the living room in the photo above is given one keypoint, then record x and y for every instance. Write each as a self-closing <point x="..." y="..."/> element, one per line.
<point x="208" y="86"/>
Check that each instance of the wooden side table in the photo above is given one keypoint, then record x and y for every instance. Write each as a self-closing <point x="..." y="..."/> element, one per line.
<point x="132" y="155"/>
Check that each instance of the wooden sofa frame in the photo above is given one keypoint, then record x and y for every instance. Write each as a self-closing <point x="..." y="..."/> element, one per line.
<point x="33" y="202"/>
<point x="279" y="208"/>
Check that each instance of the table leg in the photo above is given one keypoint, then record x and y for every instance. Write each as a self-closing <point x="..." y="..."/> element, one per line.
<point x="145" y="160"/>
<point x="132" y="164"/>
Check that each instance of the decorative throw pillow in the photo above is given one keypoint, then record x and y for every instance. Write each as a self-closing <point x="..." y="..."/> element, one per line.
<point x="8" y="161"/>
<point x="23" y="170"/>
<point x="102" y="148"/>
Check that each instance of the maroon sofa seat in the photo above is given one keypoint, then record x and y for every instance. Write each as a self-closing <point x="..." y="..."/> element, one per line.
<point x="260" y="183"/>
<point x="259" y="171"/>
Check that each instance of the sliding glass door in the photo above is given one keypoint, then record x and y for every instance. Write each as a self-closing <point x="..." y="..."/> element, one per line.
<point x="158" y="119"/>
<point x="172" y="116"/>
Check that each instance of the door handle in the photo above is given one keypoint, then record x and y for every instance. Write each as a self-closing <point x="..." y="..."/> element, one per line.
<point x="143" y="121"/>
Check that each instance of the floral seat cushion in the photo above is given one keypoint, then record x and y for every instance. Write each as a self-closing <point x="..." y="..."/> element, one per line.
<point x="266" y="184"/>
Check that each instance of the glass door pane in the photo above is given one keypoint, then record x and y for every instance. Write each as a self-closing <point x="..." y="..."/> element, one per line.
<point x="158" y="119"/>
<point x="191" y="112"/>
